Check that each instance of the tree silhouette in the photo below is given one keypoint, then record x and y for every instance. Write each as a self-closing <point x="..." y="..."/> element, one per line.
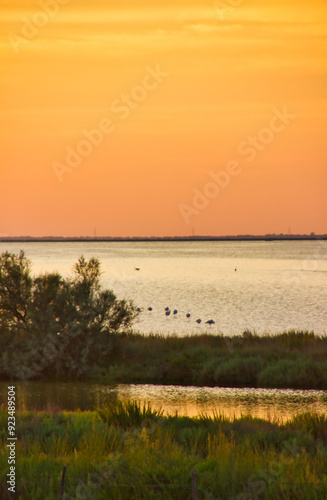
<point x="51" y="326"/>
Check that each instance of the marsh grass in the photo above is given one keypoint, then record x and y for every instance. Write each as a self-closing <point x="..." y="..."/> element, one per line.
<point x="129" y="414"/>
<point x="294" y="359"/>
<point x="129" y="451"/>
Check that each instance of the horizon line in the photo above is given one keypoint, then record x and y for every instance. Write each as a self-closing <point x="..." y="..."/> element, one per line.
<point x="287" y="236"/>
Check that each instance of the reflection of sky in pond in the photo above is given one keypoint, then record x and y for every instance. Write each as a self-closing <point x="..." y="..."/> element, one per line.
<point x="190" y="401"/>
<point x="230" y="402"/>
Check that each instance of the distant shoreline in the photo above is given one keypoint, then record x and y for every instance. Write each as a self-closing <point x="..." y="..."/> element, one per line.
<point x="63" y="239"/>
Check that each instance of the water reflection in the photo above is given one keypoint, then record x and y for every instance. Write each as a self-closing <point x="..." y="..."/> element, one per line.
<point x="278" y="286"/>
<point x="263" y="403"/>
<point x="190" y="401"/>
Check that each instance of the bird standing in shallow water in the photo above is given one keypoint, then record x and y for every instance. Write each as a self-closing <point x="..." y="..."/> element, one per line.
<point x="210" y="322"/>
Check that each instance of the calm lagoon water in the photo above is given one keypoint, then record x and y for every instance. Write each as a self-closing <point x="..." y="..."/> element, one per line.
<point x="278" y="285"/>
<point x="190" y="401"/>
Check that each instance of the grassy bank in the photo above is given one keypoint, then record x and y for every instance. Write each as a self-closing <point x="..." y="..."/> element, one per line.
<point x="289" y="360"/>
<point x="296" y="360"/>
<point x="131" y="452"/>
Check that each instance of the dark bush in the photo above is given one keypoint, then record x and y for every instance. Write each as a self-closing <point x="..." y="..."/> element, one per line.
<point x="51" y="326"/>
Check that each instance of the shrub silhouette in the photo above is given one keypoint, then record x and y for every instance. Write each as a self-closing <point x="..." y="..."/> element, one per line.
<point x="50" y="325"/>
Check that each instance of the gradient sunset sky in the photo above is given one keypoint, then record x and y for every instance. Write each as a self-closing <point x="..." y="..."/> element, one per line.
<point x="199" y="81"/>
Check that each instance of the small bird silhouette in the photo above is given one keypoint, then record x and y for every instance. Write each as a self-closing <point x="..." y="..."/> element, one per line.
<point x="188" y="315"/>
<point x="167" y="309"/>
<point x="210" y="322"/>
<point x="167" y="313"/>
<point x="198" y="321"/>
<point x="138" y="309"/>
<point x="149" y="308"/>
<point x="137" y="268"/>
<point x="175" y="311"/>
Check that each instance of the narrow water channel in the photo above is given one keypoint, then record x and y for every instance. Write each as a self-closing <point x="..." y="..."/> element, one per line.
<point x="190" y="401"/>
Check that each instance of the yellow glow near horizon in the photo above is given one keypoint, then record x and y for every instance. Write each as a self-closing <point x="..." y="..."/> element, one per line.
<point x="229" y="68"/>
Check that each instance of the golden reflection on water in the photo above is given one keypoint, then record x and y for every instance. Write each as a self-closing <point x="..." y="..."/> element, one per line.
<point x="272" y="404"/>
<point x="277" y="405"/>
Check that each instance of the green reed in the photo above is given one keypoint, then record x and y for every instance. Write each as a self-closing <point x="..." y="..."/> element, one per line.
<point x="129" y="451"/>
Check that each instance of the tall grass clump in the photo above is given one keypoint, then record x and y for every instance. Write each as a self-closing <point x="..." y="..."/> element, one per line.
<point x="129" y="414"/>
<point x="298" y="374"/>
<point x="239" y="372"/>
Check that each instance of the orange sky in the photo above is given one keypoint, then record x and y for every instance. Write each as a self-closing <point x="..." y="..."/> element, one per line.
<point x="225" y="71"/>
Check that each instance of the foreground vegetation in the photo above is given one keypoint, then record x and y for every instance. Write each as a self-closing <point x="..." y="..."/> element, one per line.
<point x="128" y="451"/>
